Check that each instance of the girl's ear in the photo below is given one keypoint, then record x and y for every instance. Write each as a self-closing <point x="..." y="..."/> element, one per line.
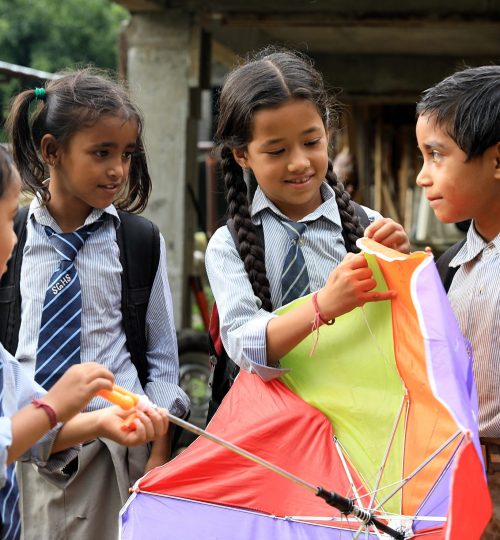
<point x="50" y="149"/>
<point x="240" y="156"/>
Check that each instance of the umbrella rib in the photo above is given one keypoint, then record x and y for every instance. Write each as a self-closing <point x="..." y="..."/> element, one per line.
<point x="404" y="403"/>
<point x="418" y="469"/>
<point x="340" y="451"/>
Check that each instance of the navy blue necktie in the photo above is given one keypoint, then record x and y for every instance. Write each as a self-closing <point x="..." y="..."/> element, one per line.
<point x="10" y="520"/>
<point x="60" y="328"/>
<point x="294" y="278"/>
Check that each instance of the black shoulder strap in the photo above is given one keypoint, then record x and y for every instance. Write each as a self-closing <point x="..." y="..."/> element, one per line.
<point x="139" y="243"/>
<point x="359" y="211"/>
<point x="10" y="295"/>
<point x="364" y="221"/>
<point x="446" y="272"/>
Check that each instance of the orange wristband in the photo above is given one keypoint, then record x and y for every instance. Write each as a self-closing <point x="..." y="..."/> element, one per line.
<point x="48" y="409"/>
<point x="317" y="312"/>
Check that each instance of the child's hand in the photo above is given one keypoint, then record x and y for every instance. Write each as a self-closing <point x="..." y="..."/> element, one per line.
<point x="348" y="286"/>
<point x="77" y="387"/>
<point x="149" y="425"/>
<point x="387" y="232"/>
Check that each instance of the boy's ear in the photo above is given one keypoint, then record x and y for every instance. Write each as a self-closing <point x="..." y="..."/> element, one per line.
<point x="240" y="156"/>
<point x="50" y="149"/>
<point x="497" y="160"/>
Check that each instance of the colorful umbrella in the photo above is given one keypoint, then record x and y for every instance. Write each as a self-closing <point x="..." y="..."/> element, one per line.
<point x="383" y="414"/>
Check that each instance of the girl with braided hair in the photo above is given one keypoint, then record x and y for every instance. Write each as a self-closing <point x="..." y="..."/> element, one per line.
<point x="274" y="120"/>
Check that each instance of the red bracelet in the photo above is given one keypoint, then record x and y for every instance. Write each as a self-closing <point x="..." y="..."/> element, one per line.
<point x="317" y="312"/>
<point x="48" y="409"/>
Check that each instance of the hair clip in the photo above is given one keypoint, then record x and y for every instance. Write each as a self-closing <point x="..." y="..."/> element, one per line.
<point x="40" y="93"/>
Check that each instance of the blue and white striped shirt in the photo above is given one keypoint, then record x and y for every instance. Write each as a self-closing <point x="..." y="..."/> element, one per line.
<point x="475" y="297"/>
<point x="18" y="390"/>
<point x="103" y="338"/>
<point x="243" y="322"/>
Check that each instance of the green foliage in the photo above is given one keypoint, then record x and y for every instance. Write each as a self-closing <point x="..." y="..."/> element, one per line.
<point x="52" y="35"/>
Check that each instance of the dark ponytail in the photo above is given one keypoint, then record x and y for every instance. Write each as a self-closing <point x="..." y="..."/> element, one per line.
<point x="24" y="144"/>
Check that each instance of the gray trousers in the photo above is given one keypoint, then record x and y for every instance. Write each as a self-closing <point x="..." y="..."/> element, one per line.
<point x="84" y="506"/>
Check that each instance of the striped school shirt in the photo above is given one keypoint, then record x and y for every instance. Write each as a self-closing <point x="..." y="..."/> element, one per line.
<point x="243" y="322"/>
<point x="18" y="390"/>
<point x="103" y="337"/>
<point x="475" y="297"/>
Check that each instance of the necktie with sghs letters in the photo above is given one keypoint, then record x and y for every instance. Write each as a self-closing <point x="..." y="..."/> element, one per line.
<point x="60" y="327"/>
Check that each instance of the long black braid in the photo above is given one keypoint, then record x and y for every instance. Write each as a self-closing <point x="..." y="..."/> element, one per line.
<point x="351" y="228"/>
<point x="250" y="245"/>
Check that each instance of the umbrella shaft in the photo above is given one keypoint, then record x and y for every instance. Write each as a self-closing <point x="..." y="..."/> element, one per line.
<point x="240" y="451"/>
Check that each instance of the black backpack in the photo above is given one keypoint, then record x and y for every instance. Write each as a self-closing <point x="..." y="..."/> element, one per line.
<point x="223" y="370"/>
<point x="447" y="273"/>
<point x="139" y="243"/>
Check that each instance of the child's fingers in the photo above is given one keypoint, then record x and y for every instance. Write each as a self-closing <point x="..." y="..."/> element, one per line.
<point x="377" y="296"/>
<point x="374" y="227"/>
<point x="160" y="421"/>
<point x="381" y="230"/>
<point x="353" y="261"/>
<point x="100" y="384"/>
<point x="146" y="422"/>
<point x="389" y="233"/>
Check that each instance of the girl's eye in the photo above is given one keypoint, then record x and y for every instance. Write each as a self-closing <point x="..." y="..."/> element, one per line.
<point x="101" y="153"/>
<point x="128" y="155"/>
<point x="275" y="152"/>
<point x="313" y="142"/>
<point x="435" y="155"/>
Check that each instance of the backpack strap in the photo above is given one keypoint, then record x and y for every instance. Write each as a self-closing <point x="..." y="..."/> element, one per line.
<point x="447" y="272"/>
<point x="364" y="221"/>
<point x="139" y="243"/>
<point x="10" y="294"/>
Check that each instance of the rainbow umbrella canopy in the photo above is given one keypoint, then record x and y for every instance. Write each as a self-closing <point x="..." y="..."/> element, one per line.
<point x="382" y="413"/>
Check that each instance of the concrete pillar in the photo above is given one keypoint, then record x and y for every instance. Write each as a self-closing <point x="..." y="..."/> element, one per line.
<point x="162" y="67"/>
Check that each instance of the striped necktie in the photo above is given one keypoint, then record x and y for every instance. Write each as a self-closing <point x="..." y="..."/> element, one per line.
<point x="294" y="278"/>
<point x="10" y="520"/>
<point x="60" y="327"/>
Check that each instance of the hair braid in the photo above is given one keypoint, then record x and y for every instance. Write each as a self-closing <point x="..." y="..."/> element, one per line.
<point x="351" y="228"/>
<point x="250" y="246"/>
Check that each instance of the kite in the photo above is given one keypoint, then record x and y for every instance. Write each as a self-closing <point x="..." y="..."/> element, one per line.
<point x="382" y="415"/>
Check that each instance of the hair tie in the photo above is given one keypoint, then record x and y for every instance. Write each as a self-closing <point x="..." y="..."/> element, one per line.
<point x="40" y="93"/>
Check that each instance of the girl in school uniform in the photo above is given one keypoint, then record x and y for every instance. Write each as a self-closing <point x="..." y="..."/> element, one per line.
<point x="274" y="121"/>
<point x="78" y="146"/>
<point x="31" y="419"/>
